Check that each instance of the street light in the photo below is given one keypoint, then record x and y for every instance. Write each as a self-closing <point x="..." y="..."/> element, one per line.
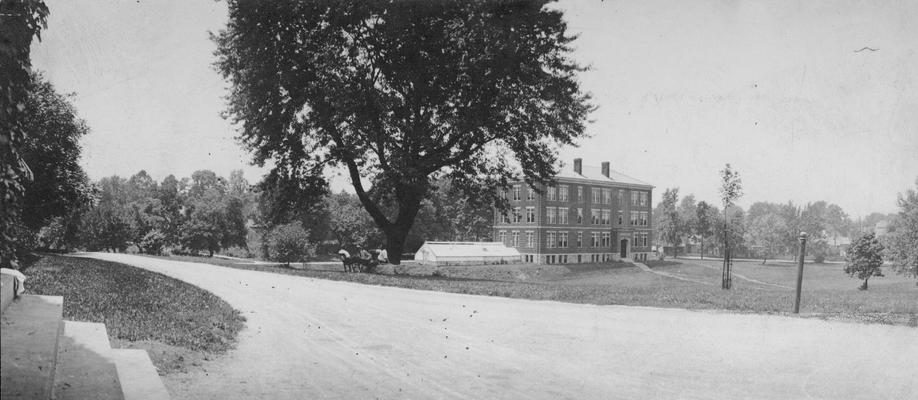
<point x="800" y="271"/>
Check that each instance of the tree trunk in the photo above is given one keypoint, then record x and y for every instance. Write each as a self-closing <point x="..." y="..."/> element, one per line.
<point x="702" y="248"/>
<point x="864" y="286"/>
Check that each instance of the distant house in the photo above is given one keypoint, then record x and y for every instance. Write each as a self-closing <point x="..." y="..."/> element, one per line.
<point x="466" y="253"/>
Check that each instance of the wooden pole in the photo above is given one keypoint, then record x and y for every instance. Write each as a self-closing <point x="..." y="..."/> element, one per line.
<point x="800" y="271"/>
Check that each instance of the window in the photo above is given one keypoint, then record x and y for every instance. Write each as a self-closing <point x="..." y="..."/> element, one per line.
<point x="530" y="194"/>
<point x="516" y="239"/>
<point x="516" y="192"/>
<point x="634" y="198"/>
<point x="594" y="215"/>
<point x="644" y="239"/>
<point x="620" y="217"/>
<point x="606" y="217"/>
<point x="643" y="199"/>
<point x="644" y="218"/>
<point x="580" y="194"/>
<point x="634" y="218"/>
<point x="530" y="240"/>
<point x="606" y="239"/>
<point x="562" y="193"/>
<point x="517" y="215"/>
<point x="550" y="240"/>
<point x="550" y="213"/>
<point x="579" y="239"/>
<point x="505" y="218"/>
<point x="595" y="237"/>
<point x="637" y="239"/>
<point x="563" y="212"/>
<point x="596" y="195"/>
<point x="621" y="197"/>
<point x="562" y="240"/>
<point x="530" y="214"/>
<point x="552" y="193"/>
<point x="502" y="237"/>
<point x="579" y="215"/>
<point x="607" y="196"/>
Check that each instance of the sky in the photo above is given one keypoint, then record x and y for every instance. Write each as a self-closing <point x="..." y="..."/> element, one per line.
<point x="782" y="90"/>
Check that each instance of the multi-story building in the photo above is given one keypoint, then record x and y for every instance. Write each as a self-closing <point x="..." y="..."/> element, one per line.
<point x="588" y="215"/>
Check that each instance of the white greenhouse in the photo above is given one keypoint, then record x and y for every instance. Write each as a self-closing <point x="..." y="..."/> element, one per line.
<point x="466" y="253"/>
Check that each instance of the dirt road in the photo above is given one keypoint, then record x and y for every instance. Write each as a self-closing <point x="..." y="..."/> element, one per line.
<point x="309" y="338"/>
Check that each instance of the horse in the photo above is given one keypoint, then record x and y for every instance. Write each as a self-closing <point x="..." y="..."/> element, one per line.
<point x="356" y="264"/>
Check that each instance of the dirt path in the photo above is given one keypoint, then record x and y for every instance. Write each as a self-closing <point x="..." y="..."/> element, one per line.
<point x="309" y="338"/>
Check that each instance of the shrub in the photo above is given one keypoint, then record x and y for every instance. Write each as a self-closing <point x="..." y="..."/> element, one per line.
<point x="236" y="251"/>
<point x="153" y="242"/>
<point x="290" y="243"/>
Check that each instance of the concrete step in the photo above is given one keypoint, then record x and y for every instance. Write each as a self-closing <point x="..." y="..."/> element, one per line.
<point x="7" y="293"/>
<point x="28" y="345"/>
<point x="138" y="376"/>
<point x="86" y="368"/>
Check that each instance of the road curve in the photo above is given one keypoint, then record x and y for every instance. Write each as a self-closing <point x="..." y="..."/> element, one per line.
<point x="312" y="338"/>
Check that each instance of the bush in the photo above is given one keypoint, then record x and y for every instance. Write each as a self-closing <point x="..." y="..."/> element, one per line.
<point x="153" y="242"/>
<point x="290" y="243"/>
<point x="238" y="252"/>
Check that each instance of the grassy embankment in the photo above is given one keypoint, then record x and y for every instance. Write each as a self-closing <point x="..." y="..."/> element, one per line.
<point x="828" y="293"/>
<point x="178" y="324"/>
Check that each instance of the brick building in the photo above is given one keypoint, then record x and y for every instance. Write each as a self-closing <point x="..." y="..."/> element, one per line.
<point x="588" y="215"/>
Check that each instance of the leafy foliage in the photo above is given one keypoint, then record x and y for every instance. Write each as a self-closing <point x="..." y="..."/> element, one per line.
<point x="705" y="216"/>
<point x="399" y="93"/>
<point x="290" y="243"/>
<point x="864" y="258"/>
<point x="670" y="223"/>
<point x="20" y="20"/>
<point x="903" y="244"/>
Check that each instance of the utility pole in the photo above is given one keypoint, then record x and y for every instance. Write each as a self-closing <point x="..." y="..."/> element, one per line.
<point x="800" y="271"/>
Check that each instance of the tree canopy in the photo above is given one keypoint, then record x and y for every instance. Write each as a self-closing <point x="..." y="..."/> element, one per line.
<point x="903" y="244"/>
<point x="400" y="93"/>
<point x="20" y="21"/>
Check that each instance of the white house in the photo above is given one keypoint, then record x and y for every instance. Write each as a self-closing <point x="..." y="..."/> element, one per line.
<point x="466" y="253"/>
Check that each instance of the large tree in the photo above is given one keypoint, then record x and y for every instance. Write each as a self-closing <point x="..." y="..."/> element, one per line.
<point x="903" y="244"/>
<point x="705" y="216"/>
<point x="52" y="151"/>
<point x="670" y="223"/>
<point x="20" y="21"/>
<point x="401" y="93"/>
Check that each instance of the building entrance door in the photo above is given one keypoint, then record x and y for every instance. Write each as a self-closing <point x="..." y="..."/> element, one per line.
<point x="623" y="248"/>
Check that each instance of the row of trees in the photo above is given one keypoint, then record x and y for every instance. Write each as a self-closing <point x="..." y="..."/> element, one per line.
<point x="769" y="230"/>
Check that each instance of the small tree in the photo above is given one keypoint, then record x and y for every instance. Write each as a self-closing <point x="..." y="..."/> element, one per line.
<point x="290" y="243"/>
<point x="731" y="188"/>
<point x="864" y="258"/>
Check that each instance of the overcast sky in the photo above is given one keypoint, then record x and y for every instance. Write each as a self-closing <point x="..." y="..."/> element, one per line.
<point x="779" y="89"/>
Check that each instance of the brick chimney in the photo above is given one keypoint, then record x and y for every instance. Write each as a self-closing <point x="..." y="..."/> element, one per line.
<point x="605" y="169"/>
<point x="578" y="165"/>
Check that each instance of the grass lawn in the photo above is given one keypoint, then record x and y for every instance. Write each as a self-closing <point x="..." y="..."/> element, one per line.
<point x="828" y="293"/>
<point x="177" y="323"/>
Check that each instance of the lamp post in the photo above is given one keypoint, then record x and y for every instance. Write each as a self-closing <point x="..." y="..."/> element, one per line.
<point x="800" y="271"/>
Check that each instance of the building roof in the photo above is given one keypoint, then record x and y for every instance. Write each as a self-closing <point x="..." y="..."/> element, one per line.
<point x="595" y="174"/>
<point x="469" y="249"/>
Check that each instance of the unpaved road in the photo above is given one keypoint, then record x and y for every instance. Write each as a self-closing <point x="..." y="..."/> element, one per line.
<point x="314" y="339"/>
